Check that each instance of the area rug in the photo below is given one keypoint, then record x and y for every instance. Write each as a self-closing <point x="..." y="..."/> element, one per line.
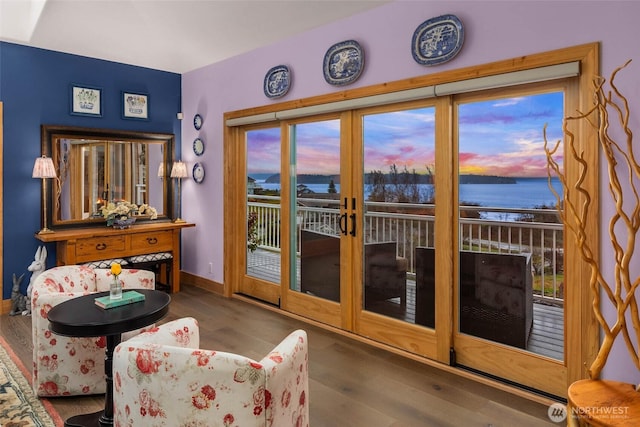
<point x="19" y="406"/>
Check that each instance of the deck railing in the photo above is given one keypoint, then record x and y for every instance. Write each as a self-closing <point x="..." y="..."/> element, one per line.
<point x="482" y="229"/>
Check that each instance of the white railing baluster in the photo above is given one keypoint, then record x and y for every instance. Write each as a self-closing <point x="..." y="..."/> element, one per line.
<point x="412" y="230"/>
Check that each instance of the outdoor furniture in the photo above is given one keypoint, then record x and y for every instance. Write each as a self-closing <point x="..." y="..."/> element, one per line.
<point x="65" y="366"/>
<point x="498" y="304"/>
<point x="164" y="378"/>
<point x="425" y="287"/>
<point x="385" y="274"/>
<point x="495" y="294"/>
<point x="320" y="265"/>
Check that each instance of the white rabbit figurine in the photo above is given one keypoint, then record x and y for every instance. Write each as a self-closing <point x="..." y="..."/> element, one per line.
<point x="37" y="267"/>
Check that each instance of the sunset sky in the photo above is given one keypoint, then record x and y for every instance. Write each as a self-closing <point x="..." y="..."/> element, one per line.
<point x="500" y="137"/>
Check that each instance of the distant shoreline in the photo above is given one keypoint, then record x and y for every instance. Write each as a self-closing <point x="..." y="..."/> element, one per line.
<point x="486" y="179"/>
<point x="422" y="179"/>
<point x="527" y="193"/>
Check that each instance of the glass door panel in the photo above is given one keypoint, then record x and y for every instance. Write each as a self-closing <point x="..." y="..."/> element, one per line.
<point x="399" y="197"/>
<point x="263" y="204"/>
<point x="510" y="261"/>
<point x="316" y="218"/>
<point x="509" y="297"/>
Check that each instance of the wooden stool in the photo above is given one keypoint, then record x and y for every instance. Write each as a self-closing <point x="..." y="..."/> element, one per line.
<point x="603" y="403"/>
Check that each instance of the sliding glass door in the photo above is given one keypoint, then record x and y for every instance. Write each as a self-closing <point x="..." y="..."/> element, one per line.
<point x="318" y="262"/>
<point x="315" y="206"/>
<point x="510" y="245"/>
<point x="262" y="262"/>
<point x="369" y="229"/>
<point x="397" y="200"/>
<point x="428" y="226"/>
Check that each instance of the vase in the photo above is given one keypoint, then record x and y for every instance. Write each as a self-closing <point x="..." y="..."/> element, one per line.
<point x="123" y="223"/>
<point x="115" y="291"/>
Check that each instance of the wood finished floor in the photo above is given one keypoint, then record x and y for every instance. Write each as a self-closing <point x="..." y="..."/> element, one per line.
<point x="351" y="383"/>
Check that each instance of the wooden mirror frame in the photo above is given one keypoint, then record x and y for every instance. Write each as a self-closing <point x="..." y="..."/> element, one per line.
<point x="51" y="133"/>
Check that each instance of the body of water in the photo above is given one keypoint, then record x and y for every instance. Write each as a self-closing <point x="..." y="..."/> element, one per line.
<point x="525" y="193"/>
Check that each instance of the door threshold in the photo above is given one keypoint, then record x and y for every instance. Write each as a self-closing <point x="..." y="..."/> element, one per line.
<point x="531" y="390"/>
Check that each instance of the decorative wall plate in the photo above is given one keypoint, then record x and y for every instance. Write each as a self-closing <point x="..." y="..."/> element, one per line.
<point x="197" y="121"/>
<point x="198" y="146"/>
<point x="277" y="81"/>
<point x="198" y="173"/>
<point x="343" y="63"/>
<point x="437" y="40"/>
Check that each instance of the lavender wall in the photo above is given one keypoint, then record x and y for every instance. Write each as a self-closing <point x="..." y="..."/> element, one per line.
<point x="494" y="30"/>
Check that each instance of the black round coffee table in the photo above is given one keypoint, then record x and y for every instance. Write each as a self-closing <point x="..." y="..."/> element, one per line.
<point x="81" y="317"/>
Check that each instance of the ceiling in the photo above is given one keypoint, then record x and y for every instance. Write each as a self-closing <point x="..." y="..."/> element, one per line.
<point x="170" y="35"/>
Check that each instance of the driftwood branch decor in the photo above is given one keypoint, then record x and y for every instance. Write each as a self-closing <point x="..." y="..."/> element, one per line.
<point x="609" y="116"/>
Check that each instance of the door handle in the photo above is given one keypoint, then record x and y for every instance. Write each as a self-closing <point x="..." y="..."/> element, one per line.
<point x="353" y="225"/>
<point x="343" y="224"/>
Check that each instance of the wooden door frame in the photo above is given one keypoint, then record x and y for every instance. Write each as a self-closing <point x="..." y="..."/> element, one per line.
<point x="582" y="343"/>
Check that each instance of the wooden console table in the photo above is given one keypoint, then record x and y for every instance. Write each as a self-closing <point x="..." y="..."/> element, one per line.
<point x="80" y="245"/>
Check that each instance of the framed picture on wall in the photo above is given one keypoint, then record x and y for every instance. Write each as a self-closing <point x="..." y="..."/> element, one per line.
<point x="86" y="100"/>
<point x="135" y="105"/>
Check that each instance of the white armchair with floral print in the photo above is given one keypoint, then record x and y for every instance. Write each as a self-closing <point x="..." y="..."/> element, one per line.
<point x="66" y="366"/>
<point x="162" y="378"/>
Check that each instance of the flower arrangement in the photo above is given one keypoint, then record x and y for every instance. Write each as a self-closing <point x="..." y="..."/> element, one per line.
<point x="115" y="291"/>
<point x="124" y="210"/>
<point x="116" y="269"/>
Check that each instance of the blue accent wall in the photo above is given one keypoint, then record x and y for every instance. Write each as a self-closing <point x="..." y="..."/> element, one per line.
<point x="34" y="87"/>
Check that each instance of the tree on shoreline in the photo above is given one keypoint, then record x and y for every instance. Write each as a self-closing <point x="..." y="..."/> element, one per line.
<point x="399" y="186"/>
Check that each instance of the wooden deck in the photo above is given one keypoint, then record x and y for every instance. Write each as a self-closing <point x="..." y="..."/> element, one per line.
<point x="547" y="333"/>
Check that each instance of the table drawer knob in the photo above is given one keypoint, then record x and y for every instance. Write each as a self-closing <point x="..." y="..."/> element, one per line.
<point x="101" y="246"/>
<point x="152" y="240"/>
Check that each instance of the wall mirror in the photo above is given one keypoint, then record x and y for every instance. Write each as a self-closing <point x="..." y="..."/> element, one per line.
<point x="98" y="166"/>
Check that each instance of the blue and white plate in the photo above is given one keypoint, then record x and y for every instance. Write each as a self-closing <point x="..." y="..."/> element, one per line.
<point x="197" y="121"/>
<point x="437" y="40"/>
<point x="277" y="81"/>
<point x="343" y="63"/>
<point x="198" y="146"/>
<point x="198" y="173"/>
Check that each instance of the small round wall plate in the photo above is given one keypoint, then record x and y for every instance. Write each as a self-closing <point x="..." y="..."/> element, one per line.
<point x="343" y="63"/>
<point x="198" y="173"/>
<point x="437" y="40"/>
<point x="277" y="81"/>
<point x="198" y="146"/>
<point x="197" y="121"/>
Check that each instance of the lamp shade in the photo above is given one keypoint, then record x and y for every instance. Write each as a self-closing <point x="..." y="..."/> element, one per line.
<point x="161" y="170"/>
<point x="43" y="168"/>
<point x="179" y="170"/>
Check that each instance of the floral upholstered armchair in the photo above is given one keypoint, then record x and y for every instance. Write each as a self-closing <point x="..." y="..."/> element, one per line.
<point x="65" y="366"/>
<point x="162" y="378"/>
